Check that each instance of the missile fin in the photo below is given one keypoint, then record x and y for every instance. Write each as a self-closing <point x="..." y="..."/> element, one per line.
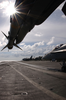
<point x="5" y="35"/>
<point x="4" y="47"/>
<point x="17" y="46"/>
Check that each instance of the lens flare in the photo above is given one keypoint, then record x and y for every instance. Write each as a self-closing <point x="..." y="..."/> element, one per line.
<point x="10" y="9"/>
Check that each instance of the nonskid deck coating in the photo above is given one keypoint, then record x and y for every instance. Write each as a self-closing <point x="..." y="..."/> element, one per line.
<point x="18" y="82"/>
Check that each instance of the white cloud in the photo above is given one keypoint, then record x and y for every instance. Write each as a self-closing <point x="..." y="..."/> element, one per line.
<point x="51" y="41"/>
<point x="38" y="51"/>
<point x="35" y="45"/>
<point x="3" y="4"/>
<point x="27" y="48"/>
<point x="63" y="16"/>
<point x="22" y="43"/>
<point x="3" y="39"/>
<point x="48" y="49"/>
<point x="39" y="34"/>
<point x="2" y="44"/>
<point x="38" y="44"/>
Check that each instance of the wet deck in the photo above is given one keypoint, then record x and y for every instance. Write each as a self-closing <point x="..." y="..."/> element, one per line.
<point x="32" y="80"/>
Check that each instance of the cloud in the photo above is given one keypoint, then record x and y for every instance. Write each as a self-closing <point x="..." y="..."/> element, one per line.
<point x="38" y="44"/>
<point x="3" y="39"/>
<point x="48" y="48"/>
<point x="4" y="4"/>
<point x="2" y="44"/>
<point x="22" y="44"/>
<point x="63" y="16"/>
<point x="39" y="34"/>
<point x="51" y="41"/>
<point x="35" y="45"/>
<point x="38" y="51"/>
<point x="28" y="50"/>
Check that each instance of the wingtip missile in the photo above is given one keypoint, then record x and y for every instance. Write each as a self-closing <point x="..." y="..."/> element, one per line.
<point x="10" y="43"/>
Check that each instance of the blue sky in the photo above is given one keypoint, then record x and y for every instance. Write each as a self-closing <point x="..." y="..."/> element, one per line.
<point x="39" y="41"/>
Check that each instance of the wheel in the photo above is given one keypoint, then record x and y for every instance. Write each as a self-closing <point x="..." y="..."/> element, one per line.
<point x="63" y="68"/>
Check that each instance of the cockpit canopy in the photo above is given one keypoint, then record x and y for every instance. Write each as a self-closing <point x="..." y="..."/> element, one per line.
<point x="57" y="47"/>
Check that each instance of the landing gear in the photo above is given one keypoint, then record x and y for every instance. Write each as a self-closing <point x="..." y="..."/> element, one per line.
<point x="63" y="69"/>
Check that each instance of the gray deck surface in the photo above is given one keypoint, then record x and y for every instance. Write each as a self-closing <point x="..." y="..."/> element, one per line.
<point x="32" y="80"/>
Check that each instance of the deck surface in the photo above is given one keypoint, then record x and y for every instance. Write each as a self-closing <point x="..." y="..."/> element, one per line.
<point x="32" y="80"/>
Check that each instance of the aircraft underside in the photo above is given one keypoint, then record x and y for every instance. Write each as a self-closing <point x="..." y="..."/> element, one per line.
<point x="29" y="13"/>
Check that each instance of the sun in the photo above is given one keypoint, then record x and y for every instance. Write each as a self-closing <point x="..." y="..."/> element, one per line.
<point x="10" y="9"/>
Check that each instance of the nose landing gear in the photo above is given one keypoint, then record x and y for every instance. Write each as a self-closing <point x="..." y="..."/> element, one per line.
<point x="63" y="69"/>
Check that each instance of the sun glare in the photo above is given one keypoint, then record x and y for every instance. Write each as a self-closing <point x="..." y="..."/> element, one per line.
<point x="10" y="9"/>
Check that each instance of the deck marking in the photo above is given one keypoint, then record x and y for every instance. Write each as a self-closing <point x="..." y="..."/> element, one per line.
<point x="58" y="74"/>
<point x="44" y="90"/>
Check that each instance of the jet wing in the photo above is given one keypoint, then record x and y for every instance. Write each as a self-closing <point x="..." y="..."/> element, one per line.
<point x="42" y="9"/>
<point x="59" y="51"/>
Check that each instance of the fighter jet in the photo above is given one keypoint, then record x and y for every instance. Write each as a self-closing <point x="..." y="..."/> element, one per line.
<point x="28" y="14"/>
<point x="59" y="54"/>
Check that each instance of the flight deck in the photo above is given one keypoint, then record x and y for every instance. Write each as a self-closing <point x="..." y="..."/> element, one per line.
<point x="32" y="80"/>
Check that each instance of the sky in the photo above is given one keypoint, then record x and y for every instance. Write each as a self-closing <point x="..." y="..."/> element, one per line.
<point x="39" y="41"/>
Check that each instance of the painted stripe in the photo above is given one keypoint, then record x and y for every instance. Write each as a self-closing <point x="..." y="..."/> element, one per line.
<point x="44" y="90"/>
<point x="34" y="67"/>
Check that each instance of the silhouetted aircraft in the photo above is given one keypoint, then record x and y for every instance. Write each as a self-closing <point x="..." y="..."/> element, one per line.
<point x="28" y="59"/>
<point x="59" y="54"/>
<point x="29" y="13"/>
